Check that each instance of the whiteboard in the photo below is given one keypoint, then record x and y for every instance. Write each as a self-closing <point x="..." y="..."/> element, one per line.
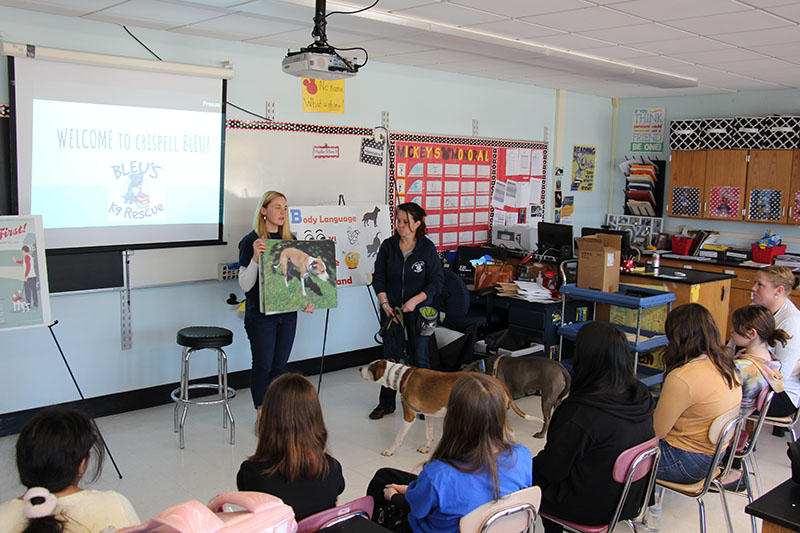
<point x="260" y="156"/>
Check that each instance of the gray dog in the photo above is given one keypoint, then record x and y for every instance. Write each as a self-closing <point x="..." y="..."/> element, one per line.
<point x="528" y="373"/>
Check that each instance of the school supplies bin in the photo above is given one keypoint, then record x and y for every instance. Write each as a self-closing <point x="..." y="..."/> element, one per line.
<point x="681" y="245"/>
<point x="766" y="255"/>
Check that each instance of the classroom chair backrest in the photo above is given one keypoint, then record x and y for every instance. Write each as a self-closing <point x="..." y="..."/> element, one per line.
<point x="513" y="513"/>
<point x="361" y="507"/>
<point x="455" y="295"/>
<point x="261" y="512"/>
<point x="631" y="465"/>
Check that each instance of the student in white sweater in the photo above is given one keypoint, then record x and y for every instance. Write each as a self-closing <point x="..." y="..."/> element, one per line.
<point x="54" y="450"/>
<point x="772" y="288"/>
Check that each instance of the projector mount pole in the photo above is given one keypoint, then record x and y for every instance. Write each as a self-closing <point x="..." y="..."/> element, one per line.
<point x="319" y="33"/>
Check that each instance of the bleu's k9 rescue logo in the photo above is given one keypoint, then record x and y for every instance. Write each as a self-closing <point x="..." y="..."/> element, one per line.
<point x="139" y="196"/>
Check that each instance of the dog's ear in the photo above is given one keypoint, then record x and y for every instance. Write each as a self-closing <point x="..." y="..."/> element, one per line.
<point x="391" y="360"/>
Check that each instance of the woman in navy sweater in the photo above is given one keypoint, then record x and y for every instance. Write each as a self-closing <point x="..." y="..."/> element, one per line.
<point x="408" y="275"/>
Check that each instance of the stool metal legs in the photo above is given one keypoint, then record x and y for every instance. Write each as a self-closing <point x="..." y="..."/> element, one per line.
<point x="224" y="393"/>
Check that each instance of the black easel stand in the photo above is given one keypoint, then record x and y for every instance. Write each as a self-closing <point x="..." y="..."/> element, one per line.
<point x="64" y="358"/>
<point x="324" y="340"/>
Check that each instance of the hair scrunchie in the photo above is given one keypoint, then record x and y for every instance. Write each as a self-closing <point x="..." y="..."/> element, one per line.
<point x="39" y="502"/>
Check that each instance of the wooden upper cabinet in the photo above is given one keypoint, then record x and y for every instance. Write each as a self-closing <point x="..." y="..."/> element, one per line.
<point x="768" y="182"/>
<point x="793" y="216"/>
<point x="725" y="184"/>
<point x="686" y="183"/>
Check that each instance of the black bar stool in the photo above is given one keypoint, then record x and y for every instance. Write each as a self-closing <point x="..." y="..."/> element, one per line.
<point x="198" y="338"/>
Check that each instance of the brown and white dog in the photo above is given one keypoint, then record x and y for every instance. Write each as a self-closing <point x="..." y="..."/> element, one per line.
<point x="422" y="391"/>
<point x="305" y="263"/>
<point x="528" y="373"/>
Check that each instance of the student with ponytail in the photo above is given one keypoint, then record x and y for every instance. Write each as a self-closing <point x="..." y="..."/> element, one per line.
<point x="54" y="450"/>
<point x="755" y="332"/>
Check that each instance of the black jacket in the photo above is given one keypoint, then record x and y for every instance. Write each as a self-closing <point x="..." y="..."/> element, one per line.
<point x="586" y="434"/>
<point x="402" y="278"/>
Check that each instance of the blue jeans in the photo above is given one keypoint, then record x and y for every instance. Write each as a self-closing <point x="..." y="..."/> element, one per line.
<point x="271" y="339"/>
<point x="680" y="466"/>
<point x="393" y="349"/>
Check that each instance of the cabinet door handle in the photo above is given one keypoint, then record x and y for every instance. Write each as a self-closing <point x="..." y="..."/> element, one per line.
<point x="725" y="291"/>
<point x="783" y="211"/>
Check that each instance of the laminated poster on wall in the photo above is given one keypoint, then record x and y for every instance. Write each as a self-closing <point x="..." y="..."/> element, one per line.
<point x="24" y="296"/>
<point x="583" y="166"/>
<point x="357" y="230"/>
<point x="293" y="274"/>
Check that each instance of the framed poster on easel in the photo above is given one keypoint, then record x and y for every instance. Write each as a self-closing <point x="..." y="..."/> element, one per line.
<point x="467" y="185"/>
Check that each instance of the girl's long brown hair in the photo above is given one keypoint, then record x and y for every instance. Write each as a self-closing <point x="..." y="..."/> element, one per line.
<point x="475" y="427"/>
<point x="691" y="332"/>
<point x="759" y="318"/>
<point x="292" y="433"/>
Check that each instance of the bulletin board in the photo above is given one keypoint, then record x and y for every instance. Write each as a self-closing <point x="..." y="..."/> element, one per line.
<point x="310" y="164"/>
<point x="467" y="185"/>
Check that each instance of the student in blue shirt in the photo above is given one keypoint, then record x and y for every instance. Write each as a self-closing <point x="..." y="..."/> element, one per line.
<point x="474" y="462"/>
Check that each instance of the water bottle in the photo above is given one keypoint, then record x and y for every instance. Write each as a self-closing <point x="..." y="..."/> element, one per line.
<point x="653" y="518"/>
<point x="656" y="263"/>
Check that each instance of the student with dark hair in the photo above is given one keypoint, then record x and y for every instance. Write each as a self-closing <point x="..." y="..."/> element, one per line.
<point x="700" y="384"/>
<point x="291" y="459"/>
<point x="607" y="411"/>
<point x="772" y="288"/>
<point x="474" y="462"/>
<point x="408" y="275"/>
<point x="54" y="450"/>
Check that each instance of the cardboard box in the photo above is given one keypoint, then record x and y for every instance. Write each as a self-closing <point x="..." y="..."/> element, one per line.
<point x="598" y="262"/>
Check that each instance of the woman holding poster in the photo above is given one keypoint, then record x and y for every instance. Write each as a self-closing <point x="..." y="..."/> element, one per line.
<point x="408" y="275"/>
<point x="271" y="334"/>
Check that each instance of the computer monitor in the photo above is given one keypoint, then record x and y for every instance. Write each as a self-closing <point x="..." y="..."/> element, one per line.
<point x="555" y="240"/>
<point x="626" y="235"/>
<point x="464" y="254"/>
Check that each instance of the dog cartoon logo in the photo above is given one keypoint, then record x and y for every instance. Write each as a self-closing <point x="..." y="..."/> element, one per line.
<point x="418" y="266"/>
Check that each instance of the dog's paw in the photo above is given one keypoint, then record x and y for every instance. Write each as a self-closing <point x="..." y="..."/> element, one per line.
<point x="424" y="449"/>
<point x="387" y="453"/>
<point x="539" y="435"/>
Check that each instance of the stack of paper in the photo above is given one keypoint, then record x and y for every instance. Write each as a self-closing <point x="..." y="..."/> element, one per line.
<point x="640" y="185"/>
<point x="530" y="290"/>
<point x="791" y="261"/>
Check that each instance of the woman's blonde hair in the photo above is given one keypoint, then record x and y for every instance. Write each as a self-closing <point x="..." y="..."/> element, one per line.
<point x="780" y="276"/>
<point x="260" y="222"/>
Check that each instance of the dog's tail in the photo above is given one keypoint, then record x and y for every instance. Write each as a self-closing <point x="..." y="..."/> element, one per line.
<point x="516" y="408"/>
<point x="567" y="386"/>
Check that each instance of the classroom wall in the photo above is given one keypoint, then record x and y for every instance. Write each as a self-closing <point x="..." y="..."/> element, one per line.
<point x="752" y="104"/>
<point x="417" y="100"/>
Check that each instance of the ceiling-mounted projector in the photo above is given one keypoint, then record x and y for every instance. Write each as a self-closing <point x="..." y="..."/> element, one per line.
<point x="319" y="59"/>
<point x="318" y="63"/>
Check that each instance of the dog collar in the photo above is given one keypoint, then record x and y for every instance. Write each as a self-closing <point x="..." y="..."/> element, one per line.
<point x="394" y="373"/>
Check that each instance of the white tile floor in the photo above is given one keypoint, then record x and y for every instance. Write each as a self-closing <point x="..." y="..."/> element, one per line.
<point x="156" y="474"/>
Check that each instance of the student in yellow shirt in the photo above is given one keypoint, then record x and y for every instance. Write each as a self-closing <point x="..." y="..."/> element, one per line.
<point x="700" y="385"/>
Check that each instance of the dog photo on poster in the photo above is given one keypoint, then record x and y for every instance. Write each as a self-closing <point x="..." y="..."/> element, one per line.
<point x="293" y="274"/>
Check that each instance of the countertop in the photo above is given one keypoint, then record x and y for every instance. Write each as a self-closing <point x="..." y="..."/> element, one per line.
<point x="780" y="506"/>
<point x="689" y="277"/>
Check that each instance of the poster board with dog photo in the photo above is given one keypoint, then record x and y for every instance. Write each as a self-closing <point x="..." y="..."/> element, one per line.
<point x="293" y="274"/>
<point x="24" y="297"/>
<point x="357" y="230"/>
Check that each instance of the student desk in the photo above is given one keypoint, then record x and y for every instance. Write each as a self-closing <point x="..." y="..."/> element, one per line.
<point x="779" y="508"/>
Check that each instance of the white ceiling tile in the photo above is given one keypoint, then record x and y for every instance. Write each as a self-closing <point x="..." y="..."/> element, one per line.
<point x="770" y="3"/>
<point x="515" y="29"/>
<point x="677" y="9"/>
<point x="218" y="3"/>
<point x="586" y="19"/>
<point x="238" y="27"/>
<point x="569" y="41"/>
<point x="666" y="64"/>
<point x="61" y="7"/>
<point x="279" y="10"/>
<point x="741" y="21"/>
<point x="778" y="50"/>
<point x="788" y="35"/>
<point x="383" y="5"/>
<point x="755" y="67"/>
<point x="387" y="47"/>
<point x="291" y="40"/>
<point x="154" y="14"/>
<point x="619" y="52"/>
<point x="636" y="33"/>
<point x="788" y="78"/>
<point x="450" y="14"/>
<point x="791" y="11"/>
<point x="679" y="46"/>
<point x="427" y="58"/>
<point x="367" y="26"/>
<point x="521" y="8"/>
<point x="712" y="57"/>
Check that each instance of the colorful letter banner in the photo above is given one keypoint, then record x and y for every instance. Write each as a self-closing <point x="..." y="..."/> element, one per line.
<point x="648" y="129"/>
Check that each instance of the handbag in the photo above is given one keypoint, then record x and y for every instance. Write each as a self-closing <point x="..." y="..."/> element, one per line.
<point x="491" y="274"/>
